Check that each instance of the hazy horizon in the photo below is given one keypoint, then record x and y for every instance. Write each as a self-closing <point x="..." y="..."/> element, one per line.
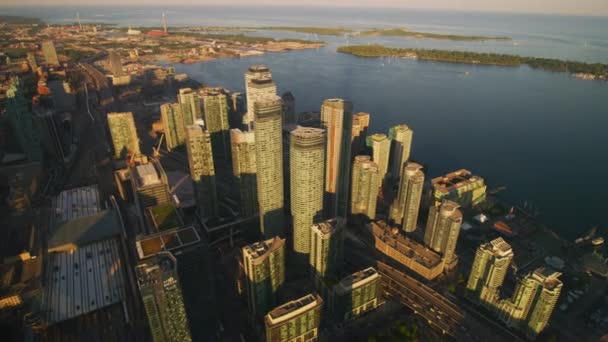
<point x="580" y="7"/>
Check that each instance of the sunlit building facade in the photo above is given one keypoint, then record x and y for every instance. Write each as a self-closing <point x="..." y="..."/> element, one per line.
<point x="442" y="230"/>
<point x="405" y="208"/>
<point x="173" y="124"/>
<point x="244" y="169"/>
<point x="202" y="170"/>
<point x="401" y="139"/>
<point x="366" y="183"/>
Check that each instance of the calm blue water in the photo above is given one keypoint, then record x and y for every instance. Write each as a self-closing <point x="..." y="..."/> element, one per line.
<point x="541" y="134"/>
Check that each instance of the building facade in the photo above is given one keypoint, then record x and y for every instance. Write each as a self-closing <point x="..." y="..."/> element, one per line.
<point x="191" y="105"/>
<point x="244" y="169"/>
<point x="202" y="170"/>
<point x="124" y="135"/>
<point x="327" y="248"/>
<point x="216" y="121"/>
<point x="253" y="72"/>
<point x="264" y="267"/>
<point x="307" y="159"/>
<point x="50" y="54"/>
<point x="22" y="122"/>
<point x="461" y="187"/>
<point x="442" y="230"/>
<point x="162" y="298"/>
<point x="359" y="136"/>
<point x="490" y="267"/>
<point x="405" y="208"/>
<point x="173" y="124"/>
<point x="401" y="137"/>
<point x="366" y="183"/>
<point x="381" y="149"/>
<point x="337" y="120"/>
<point x="116" y="64"/>
<point x="258" y="89"/>
<point x="297" y="320"/>
<point x="356" y="294"/>
<point x="269" y="159"/>
<point x="289" y="109"/>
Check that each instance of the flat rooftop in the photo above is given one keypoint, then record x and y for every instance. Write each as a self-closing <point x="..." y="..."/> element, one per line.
<point x="500" y="247"/>
<point x="356" y="280"/>
<point x="164" y="217"/>
<point x="166" y="241"/>
<point x="293" y="308"/>
<point x="260" y="250"/>
<point x="454" y="180"/>
<point x="327" y="227"/>
<point x="404" y="245"/>
<point x="80" y="231"/>
<point x="78" y="202"/>
<point x="83" y="280"/>
<point x="146" y="175"/>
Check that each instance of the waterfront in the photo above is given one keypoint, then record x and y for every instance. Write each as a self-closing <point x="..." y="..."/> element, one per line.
<point x="539" y="133"/>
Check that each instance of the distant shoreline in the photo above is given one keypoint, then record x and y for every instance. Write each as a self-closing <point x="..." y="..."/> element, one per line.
<point x="596" y="71"/>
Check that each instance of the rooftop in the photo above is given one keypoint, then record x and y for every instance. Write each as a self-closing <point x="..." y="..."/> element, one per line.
<point x="402" y="244"/>
<point x="356" y="279"/>
<point x="261" y="82"/>
<point x="166" y="241"/>
<point x="293" y="308"/>
<point x="450" y="209"/>
<point x="80" y="231"/>
<point x="164" y="216"/>
<point x="500" y="247"/>
<point x="454" y="180"/>
<point x="328" y="227"/>
<point x="146" y="175"/>
<point x="259" y="251"/>
<point x="78" y="202"/>
<point x="258" y="68"/>
<point x="239" y="137"/>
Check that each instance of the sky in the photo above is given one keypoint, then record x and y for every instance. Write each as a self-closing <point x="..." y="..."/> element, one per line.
<point x="577" y="7"/>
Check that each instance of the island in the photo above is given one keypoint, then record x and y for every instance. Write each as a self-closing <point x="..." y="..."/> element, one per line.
<point x="400" y="32"/>
<point x="578" y="69"/>
<point x="327" y="31"/>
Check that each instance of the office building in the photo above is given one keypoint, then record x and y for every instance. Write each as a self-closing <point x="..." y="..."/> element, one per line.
<point x="244" y="169"/>
<point x="401" y="137"/>
<point x="124" y="135"/>
<point x="461" y="187"/>
<point x="442" y="230"/>
<point x="161" y="295"/>
<point x="405" y="208"/>
<point x="337" y="120"/>
<point x="173" y="123"/>
<point x="381" y="149"/>
<point x="202" y="170"/>
<point x="21" y="118"/>
<point x="269" y="159"/>
<point x="50" y="54"/>
<point x="150" y="188"/>
<point x="191" y="105"/>
<point x="533" y="301"/>
<point x="264" y="267"/>
<point x="32" y="61"/>
<point x="405" y="251"/>
<point x="355" y="295"/>
<point x="327" y="248"/>
<point x="258" y="89"/>
<point x="216" y="122"/>
<point x="359" y="135"/>
<point x="490" y="267"/>
<point x="289" y="109"/>
<point x="307" y="158"/>
<point x="254" y="72"/>
<point x="365" y="187"/>
<point x="297" y="320"/>
<point x="116" y="64"/>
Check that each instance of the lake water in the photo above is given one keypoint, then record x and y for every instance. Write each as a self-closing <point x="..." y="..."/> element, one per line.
<point x="541" y="134"/>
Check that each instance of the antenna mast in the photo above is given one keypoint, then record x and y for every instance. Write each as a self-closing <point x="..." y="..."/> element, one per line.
<point x="78" y="19"/>
<point x="164" y="22"/>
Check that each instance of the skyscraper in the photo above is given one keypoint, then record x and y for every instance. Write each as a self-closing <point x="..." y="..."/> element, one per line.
<point x="359" y="136"/>
<point x="21" y="119"/>
<point x="381" y="149"/>
<point x="366" y="183"/>
<point x="50" y="55"/>
<point x="244" y="169"/>
<point x="337" y="120"/>
<point x="442" y="230"/>
<point x="162" y="298"/>
<point x="191" y="105"/>
<point x="269" y="159"/>
<point x="264" y="266"/>
<point x="202" y="170"/>
<point x="488" y="272"/>
<point x="116" y="64"/>
<point x="533" y="301"/>
<point x="289" y="108"/>
<point x="258" y="72"/>
<point x="173" y="123"/>
<point x="406" y="206"/>
<point x="355" y="295"/>
<point x="307" y="157"/>
<point x="401" y="137"/>
<point x="327" y="248"/>
<point x="258" y="89"/>
<point x="216" y="121"/>
<point x="124" y="135"/>
<point x="32" y="61"/>
<point x="297" y="320"/>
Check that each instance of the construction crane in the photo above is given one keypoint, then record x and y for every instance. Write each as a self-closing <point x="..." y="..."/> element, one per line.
<point x="156" y="150"/>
